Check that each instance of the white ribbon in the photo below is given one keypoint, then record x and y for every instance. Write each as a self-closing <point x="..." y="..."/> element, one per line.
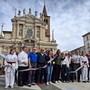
<point x="75" y="70"/>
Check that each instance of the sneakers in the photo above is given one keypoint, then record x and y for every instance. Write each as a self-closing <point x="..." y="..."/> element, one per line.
<point x="29" y="85"/>
<point x="47" y="83"/>
<point x="33" y="83"/>
<point x="12" y="87"/>
<point x="58" y="81"/>
<point x="6" y="87"/>
<point x="50" y="82"/>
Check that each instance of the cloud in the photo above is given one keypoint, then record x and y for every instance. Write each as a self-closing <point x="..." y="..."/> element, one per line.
<point x="72" y="22"/>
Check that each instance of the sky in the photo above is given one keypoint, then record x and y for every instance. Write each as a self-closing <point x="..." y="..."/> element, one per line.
<point x="70" y="19"/>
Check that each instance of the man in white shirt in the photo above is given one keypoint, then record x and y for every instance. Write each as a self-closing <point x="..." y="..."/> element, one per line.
<point x="76" y="64"/>
<point x="22" y="64"/>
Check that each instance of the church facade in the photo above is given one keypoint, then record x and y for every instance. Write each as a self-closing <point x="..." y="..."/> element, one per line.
<point x="28" y="30"/>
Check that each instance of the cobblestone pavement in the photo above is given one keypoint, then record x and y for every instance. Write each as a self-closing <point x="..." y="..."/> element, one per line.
<point x="58" y="86"/>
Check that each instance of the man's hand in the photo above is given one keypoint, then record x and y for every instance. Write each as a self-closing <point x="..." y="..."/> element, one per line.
<point x="73" y="60"/>
<point x="8" y="65"/>
<point x="24" y="63"/>
<point x="30" y="66"/>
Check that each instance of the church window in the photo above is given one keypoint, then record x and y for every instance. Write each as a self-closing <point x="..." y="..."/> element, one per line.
<point x="88" y="45"/>
<point x="87" y="37"/>
<point x="46" y="21"/>
<point x="46" y="27"/>
<point x="45" y="33"/>
<point x="20" y="26"/>
<point x="38" y="31"/>
<point x="37" y="34"/>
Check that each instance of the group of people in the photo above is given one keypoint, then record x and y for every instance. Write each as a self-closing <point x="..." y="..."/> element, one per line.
<point x="45" y="67"/>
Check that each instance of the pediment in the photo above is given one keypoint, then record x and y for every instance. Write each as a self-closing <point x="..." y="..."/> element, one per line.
<point x="29" y="19"/>
<point x="26" y="19"/>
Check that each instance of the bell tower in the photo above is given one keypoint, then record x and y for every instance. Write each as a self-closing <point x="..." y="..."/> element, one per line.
<point x="47" y="22"/>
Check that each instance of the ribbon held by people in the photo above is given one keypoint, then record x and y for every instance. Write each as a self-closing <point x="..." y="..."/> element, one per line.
<point x="37" y="68"/>
<point x="75" y="70"/>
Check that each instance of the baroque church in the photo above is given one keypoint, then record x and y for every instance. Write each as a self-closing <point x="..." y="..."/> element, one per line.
<point x="28" y="30"/>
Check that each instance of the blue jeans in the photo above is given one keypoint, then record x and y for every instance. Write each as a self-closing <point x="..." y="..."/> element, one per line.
<point x="49" y="72"/>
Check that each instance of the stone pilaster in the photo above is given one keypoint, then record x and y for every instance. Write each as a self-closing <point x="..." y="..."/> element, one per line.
<point x="24" y="31"/>
<point x="18" y="30"/>
<point x="35" y="32"/>
<point x="40" y="34"/>
<point x="14" y="30"/>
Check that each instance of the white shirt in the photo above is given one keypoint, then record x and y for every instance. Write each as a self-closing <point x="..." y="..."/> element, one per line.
<point x="67" y="61"/>
<point x="63" y="62"/>
<point x="70" y="58"/>
<point x="22" y="57"/>
<point x="11" y="58"/>
<point x="13" y="66"/>
<point x="76" y="58"/>
<point x="83" y="58"/>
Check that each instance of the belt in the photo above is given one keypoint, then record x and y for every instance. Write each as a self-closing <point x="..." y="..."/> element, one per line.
<point x="10" y="62"/>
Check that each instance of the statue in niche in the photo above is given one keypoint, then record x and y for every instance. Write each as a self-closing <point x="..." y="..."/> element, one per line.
<point x="20" y="32"/>
<point x="19" y="12"/>
<point x="24" y="11"/>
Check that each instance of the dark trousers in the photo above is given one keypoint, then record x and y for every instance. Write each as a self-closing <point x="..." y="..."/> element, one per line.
<point x="63" y="72"/>
<point x="41" y="73"/>
<point x="88" y="73"/>
<point x="58" y="72"/>
<point x="71" y="69"/>
<point x="32" y="73"/>
<point x="54" y="73"/>
<point x="68" y="74"/>
<point x="22" y="76"/>
<point x="16" y="76"/>
<point x="76" y="66"/>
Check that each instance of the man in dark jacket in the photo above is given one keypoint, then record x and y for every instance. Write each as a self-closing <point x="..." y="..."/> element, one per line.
<point x="40" y="63"/>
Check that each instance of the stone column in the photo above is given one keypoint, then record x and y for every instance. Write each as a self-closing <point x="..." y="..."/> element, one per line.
<point x="40" y="38"/>
<point x="43" y="33"/>
<point x="18" y="30"/>
<point x="14" y="30"/>
<point x="24" y="31"/>
<point x="53" y="35"/>
<point x="0" y="48"/>
<point x="35" y="32"/>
